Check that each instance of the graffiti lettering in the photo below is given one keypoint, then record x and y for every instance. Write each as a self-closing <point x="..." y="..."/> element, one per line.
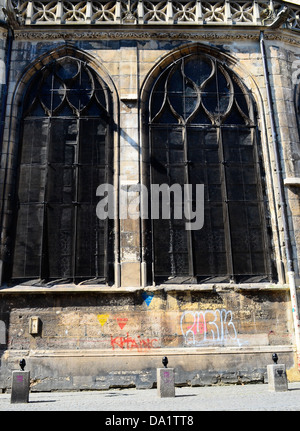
<point x="208" y="326"/>
<point x="130" y="343"/>
<point x="166" y="377"/>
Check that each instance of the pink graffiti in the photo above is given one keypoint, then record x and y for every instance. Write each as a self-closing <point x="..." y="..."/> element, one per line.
<point x="167" y="377"/>
<point x="200" y="328"/>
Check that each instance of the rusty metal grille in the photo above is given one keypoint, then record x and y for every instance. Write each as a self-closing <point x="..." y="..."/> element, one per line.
<point x="64" y="158"/>
<point x="202" y="131"/>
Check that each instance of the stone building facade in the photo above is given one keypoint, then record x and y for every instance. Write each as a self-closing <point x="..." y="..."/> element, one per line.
<point x="102" y="100"/>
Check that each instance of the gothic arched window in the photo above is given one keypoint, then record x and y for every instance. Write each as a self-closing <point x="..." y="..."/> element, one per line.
<point x="64" y="157"/>
<point x="203" y="131"/>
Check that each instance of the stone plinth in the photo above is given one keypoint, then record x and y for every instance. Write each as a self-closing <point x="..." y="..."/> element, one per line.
<point x="20" y="387"/>
<point x="165" y="382"/>
<point x="277" y="377"/>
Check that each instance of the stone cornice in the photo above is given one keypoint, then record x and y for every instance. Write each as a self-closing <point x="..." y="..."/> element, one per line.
<point x="284" y="36"/>
<point x="103" y="289"/>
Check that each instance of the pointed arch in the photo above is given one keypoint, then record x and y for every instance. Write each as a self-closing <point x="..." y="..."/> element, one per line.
<point x="201" y="128"/>
<point x="62" y="148"/>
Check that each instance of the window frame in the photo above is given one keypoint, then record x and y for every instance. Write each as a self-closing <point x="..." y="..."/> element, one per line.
<point x="108" y="163"/>
<point x="148" y="227"/>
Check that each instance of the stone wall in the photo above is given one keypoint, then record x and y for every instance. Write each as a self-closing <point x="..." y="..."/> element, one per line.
<point x="93" y="338"/>
<point x="128" y="65"/>
<point x="111" y="337"/>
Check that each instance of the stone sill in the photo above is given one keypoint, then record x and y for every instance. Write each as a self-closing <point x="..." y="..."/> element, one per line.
<point x="76" y="289"/>
<point x="85" y="353"/>
<point x="297" y="2"/>
<point x="294" y="182"/>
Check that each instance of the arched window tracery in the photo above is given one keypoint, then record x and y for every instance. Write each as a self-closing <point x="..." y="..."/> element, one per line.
<point x="202" y="130"/>
<point x="64" y="156"/>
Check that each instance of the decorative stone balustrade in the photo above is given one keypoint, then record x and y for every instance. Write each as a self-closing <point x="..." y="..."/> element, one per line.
<point x="155" y="12"/>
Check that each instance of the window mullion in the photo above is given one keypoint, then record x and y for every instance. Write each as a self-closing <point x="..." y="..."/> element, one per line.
<point x="188" y="201"/>
<point x="151" y="203"/>
<point x="186" y="177"/>
<point x="76" y="203"/>
<point x="173" y="262"/>
<point x="226" y="216"/>
<point x="44" y="265"/>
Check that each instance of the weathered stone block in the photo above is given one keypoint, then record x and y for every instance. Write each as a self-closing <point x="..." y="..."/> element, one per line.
<point x="130" y="274"/>
<point x="277" y="377"/>
<point x="165" y="382"/>
<point x="20" y="387"/>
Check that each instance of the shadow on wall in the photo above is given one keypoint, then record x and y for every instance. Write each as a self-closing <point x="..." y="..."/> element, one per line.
<point x="3" y="337"/>
<point x="2" y="332"/>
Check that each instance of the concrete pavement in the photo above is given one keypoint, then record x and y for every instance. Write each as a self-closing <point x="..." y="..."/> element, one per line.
<point x="255" y="397"/>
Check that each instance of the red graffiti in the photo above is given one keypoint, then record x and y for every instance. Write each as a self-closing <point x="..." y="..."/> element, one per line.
<point x="130" y="343"/>
<point x="298" y="360"/>
<point x="122" y="321"/>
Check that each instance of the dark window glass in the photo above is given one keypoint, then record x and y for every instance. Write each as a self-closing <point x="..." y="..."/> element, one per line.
<point x="63" y="160"/>
<point x="202" y="131"/>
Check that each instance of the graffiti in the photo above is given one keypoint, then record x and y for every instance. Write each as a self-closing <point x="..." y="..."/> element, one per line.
<point x="147" y="297"/>
<point x="102" y="318"/>
<point x="130" y="343"/>
<point x="167" y="377"/>
<point x="208" y="326"/>
<point x="122" y="321"/>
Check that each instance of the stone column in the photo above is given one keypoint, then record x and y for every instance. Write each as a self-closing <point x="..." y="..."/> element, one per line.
<point x="129" y="168"/>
